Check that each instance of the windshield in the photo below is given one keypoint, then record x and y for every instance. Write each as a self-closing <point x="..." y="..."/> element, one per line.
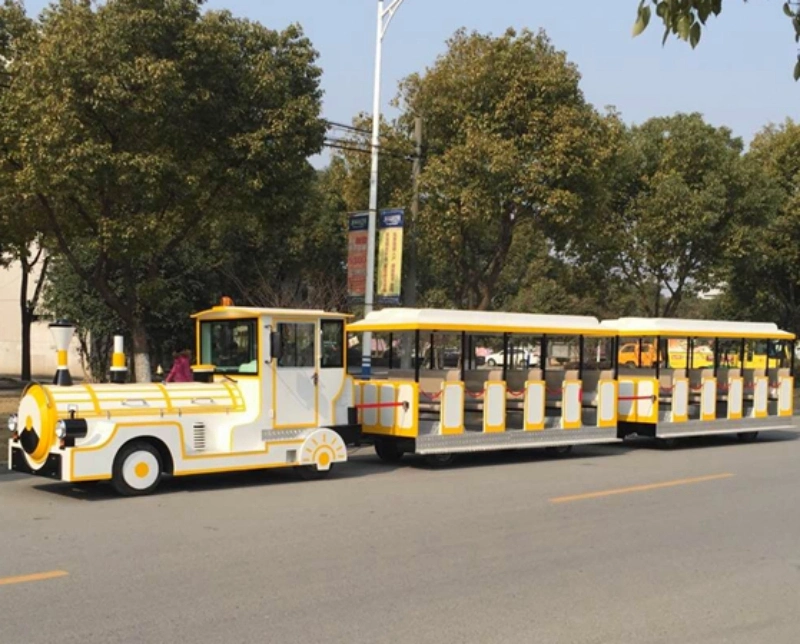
<point x="230" y="345"/>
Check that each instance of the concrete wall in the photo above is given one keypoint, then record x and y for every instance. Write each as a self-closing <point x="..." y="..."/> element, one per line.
<point x="43" y="351"/>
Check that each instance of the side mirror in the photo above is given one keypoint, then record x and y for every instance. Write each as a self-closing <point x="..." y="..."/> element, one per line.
<point x="275" y="352"/>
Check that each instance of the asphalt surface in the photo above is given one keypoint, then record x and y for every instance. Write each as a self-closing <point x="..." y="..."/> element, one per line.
<point x="479" y="552"/>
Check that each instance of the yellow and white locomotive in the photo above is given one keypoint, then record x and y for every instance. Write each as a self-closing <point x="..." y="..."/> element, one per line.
<point x="271" y="391"/>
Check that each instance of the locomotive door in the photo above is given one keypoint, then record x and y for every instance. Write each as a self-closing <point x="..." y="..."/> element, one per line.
<point x="296" y="378"/>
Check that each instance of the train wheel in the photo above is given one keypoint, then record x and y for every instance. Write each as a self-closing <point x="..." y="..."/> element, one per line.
<point x="559" y="450"/>
<point x="388" y="451"/>
<point x="137" y="469"/>
<point x="440" y="460"/>
<point x="666" y="443"/>
<point x="747" y="437"/>
<point x="311" y="473"/>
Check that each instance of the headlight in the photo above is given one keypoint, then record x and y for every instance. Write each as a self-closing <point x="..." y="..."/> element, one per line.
<point x="13" y="421"/>
<point x="70" y="428"/>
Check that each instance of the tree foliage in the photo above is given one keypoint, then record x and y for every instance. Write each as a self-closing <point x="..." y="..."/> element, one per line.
<point x="511" y="142"/>
<point x="675" y="207"/>
<point x="686" y="19"/>
<point x="137" y="125"/>
<point x="764" y="271"/>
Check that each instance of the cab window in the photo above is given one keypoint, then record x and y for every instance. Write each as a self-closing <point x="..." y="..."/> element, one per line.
<point x="297" y="344"/>
<point x="332" y="332"/>
<point x="230" y="345"/>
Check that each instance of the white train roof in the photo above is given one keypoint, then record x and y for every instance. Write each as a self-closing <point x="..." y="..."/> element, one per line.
<point x="235" y="312"/>
<point x="699" y="328"/>
<point x="402" y="319"/>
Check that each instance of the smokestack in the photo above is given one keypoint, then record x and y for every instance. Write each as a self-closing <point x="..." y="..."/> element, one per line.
<point x="62" y="332"/>
<point x="119" y="371"/>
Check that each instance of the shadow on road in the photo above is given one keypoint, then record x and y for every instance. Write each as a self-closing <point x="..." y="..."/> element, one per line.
<point x="718" y="440"/>
<point x="364" y="463"/>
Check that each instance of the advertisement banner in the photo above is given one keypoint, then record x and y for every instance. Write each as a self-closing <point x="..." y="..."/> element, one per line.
<point x="357" y="238"/>
<point x="390" y="255"/>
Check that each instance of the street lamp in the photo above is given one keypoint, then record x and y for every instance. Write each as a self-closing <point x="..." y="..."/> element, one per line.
<point x="385" y="15"/>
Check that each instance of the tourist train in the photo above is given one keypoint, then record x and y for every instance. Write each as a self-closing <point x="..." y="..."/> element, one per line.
<point x="272" y="389"/>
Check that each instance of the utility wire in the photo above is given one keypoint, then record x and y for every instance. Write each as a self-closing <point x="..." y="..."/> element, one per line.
<point x="351" y="128"/>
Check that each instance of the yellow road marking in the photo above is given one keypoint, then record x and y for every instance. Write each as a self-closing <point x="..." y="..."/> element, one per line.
<point x="39" y="576"/>
<point x="640" y="488"/>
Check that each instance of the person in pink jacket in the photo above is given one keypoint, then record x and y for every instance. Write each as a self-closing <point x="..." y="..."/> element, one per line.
<point x="181" y="370"/>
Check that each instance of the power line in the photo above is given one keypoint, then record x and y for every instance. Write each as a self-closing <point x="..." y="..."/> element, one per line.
<point x="350" y="146"/>
<point x="351" y="128"/>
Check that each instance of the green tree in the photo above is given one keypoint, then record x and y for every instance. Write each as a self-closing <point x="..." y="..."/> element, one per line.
<point x="137" y="125"/>
<point x="19" y="239"/>
<point x="511" y="145"/>
<point x="763" y="280"/>
<point x="686" y="19"/>
<point x="674" y="210"/>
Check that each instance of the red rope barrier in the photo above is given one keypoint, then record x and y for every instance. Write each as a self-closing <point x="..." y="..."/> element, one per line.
<point x="381" y="405"/>
<point x="432" y="396"/>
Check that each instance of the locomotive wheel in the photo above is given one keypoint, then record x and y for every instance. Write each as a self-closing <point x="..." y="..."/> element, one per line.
<point x="388" y="451"/>
<point x="747" y="437"/>
<point x="311" y="473"/>
<point x="137" y="469"/>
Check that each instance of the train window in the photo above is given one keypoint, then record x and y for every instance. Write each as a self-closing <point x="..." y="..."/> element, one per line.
<point x="634" y="353"/>
<point x="524" y="352"/>
<point x="230" y="345"/>
<point x="729" y="353"/>
<point x="332" y="332"/>
<point x="297" y="344"/>
<point x="563" y="352"/>
<point x="598" y="353"/>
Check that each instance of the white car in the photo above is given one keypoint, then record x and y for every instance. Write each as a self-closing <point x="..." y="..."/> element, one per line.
<point x="517" y="358"/>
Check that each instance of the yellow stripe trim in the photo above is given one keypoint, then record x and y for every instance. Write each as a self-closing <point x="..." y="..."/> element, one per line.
<point x="640" y="488"/>
<point x="39" y="576"/>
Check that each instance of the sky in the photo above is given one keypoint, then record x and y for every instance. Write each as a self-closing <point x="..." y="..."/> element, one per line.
<point x="740" y="75"/>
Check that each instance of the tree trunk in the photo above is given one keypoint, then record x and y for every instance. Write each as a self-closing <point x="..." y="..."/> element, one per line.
<point x="141" y="352"/>
<point x="27" y="318"/>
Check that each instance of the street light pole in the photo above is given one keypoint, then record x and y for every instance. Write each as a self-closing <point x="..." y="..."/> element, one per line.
<point x="385" y="16"/>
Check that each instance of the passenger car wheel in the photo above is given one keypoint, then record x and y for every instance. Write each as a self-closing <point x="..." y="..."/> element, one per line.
<point x="388" y="451"/>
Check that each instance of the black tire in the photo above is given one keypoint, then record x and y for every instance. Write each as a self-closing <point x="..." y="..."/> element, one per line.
<point x="747" y="437"/>
<point x="440" y="460"/>
<point x="311" y="473"/>
<point x="630" y="365"/>
<point x="491" y="362"/>
<point x="666" y="443"/>
<point x="559" y="450"/>
<point x="121" y="468"/>
<point x="388" y="451"/>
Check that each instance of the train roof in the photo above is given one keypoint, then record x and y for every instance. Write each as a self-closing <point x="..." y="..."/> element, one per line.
<point x="234" y="312"/>
<point x="402" y="319"/>
<point x="696" y="328"/>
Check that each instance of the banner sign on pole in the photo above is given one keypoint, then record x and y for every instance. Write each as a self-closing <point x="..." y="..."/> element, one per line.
<point x="357" y="238"/>
<point x="390" y="255"/>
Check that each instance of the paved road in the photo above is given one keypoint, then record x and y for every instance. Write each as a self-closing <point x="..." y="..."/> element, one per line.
<point x="476" y="553"/>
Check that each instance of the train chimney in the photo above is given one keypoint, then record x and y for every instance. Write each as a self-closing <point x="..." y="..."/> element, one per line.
<point x="119" y="370"/>
<point x="62" y="332"/>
